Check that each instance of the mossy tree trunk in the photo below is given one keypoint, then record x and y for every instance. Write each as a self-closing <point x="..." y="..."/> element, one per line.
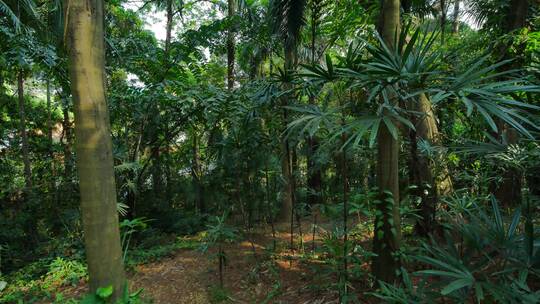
<point x="94" y="146"/>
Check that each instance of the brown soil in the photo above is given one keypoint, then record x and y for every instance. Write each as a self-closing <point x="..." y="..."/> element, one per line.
<point x="251" y="275"/>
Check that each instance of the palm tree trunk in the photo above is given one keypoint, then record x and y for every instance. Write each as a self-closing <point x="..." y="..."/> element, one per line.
<point x="387" y="234"/>
<point x="24" y="135"/>
<point x="94" y="146"/>
<point x="314" y="174"/>
<point x="287" y="207"/>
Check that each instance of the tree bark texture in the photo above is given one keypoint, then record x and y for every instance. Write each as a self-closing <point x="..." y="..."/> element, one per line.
<point x="94" y="146"/>
<point x="387" y="234"/>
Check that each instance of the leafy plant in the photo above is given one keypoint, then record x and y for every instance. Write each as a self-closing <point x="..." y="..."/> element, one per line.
<point x="103" y="296"/>
<point x="128" y="228"/>
<point x="219" y="234"/>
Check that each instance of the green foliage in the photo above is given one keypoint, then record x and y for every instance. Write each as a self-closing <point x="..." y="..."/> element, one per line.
<point x="41" y="280"/>
<point x="219" y="295"/>
<point x="127" y="229"/>
<point x="186" y="148"/>
<point x="146" y="254"/>
<point x="103" y="296"/>
<point x="486" y="258"/>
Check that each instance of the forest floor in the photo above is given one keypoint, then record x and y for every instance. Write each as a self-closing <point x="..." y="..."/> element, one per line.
<point x="253" y="274"/>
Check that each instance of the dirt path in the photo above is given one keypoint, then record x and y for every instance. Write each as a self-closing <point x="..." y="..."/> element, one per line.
<point x="252" y="274"/>
<point x="178" y="279"/>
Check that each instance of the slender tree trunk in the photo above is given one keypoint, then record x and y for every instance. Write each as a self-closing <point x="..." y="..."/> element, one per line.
<point x="314" y="175"/>
<point x="94" y="146"/>
<point x="168" y="28"/>
<point x="387" y="234"/>
<point x="455" y="22"/>
<point x="196" y="174"/>
<point x="270" y="206"/>
<point x="509" y="191"/>
<point x="2" y="88"/>
<point x="443" y="19"/>
<point x="49" y="120"/>
<point x="287" y="195"/>
<point x="131" y="198"/>
<point x="66" y="128"/>
<point x="24" y="135"/>
<point x="157" y="174"/>
<point x="345" y="181"/>
<point x="53" y="192"/>
<point x="155" y="153"/>
<point x="286" y="157"/>
<point x="231" y="7"/>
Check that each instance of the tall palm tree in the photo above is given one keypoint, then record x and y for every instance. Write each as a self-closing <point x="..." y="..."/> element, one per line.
<point x="288" y="18"/>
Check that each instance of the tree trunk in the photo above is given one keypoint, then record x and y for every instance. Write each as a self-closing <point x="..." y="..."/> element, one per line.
<point x="517" y="15"/>
<point x="49" y="120"/>
<point x="345" y="184"/>
<point x="421" y="170"/>
<point x="286" y="162"/>
<point x="230" y="45"/>
<point x="66" y="127"/>
<point x="314" y="175"/>
<point x="24" y="135"/>
<point x="168" y="28"/>
<point x="387" y="234"/>
<point x="287" y="195"/>
<point x="196" y="173"/>
<point x="443" y="19"/>
<point x="509" y="192"/>
<point x="455" y="22"/>
<point x="314" y="180"/>
<point x="52" y="185"/>
<point x="94" y="146"/>
<point x="157" y="174"/>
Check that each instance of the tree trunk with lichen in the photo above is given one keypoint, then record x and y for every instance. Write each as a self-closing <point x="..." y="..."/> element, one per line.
<point x="94" y="146"/>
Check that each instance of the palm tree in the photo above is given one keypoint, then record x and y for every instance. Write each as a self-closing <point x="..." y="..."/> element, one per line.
<point x="288" y="18"/>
